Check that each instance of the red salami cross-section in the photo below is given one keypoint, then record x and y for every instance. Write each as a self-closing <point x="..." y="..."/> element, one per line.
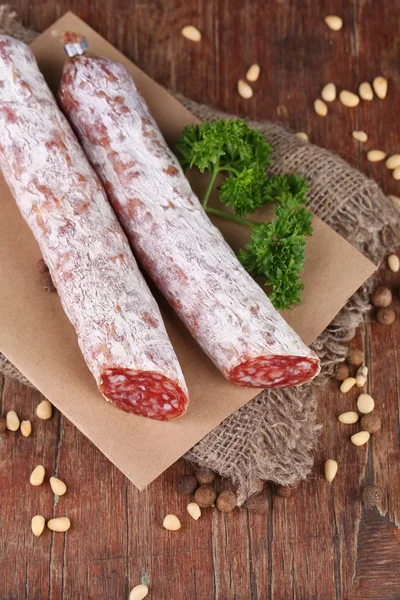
<point x="186" y="256"/>
<point x="119" y="326"/>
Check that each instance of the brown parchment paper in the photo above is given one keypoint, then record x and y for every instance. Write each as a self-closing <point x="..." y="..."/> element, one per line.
<point x="37" y="337"/>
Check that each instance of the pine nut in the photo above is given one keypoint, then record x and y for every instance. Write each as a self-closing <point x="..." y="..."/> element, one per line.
<point x="360" y="136"/>
<point x="361" y="377"/>
<point x="37" y="475"/>
<point x="59" y="488"/>
<point x="347" y="384"/>
<point x="331" y="468"/>
<point x="376" y="155"/>
<point x="329" y="92"/>
<point x="60" y="524"/>
<point x="360" y="438"/>
<point x="365" y="404"/>
<point x="190" y="32"/>
<point x="334" y="22"/>
<point x="172" y="523"/>
<point x="394" y="263"/>
<point x="253" y="73"/>
<point x="380" y="85"/>
<point x="396" y="173"/>
<point x="365" y="91"/>
<point x="38" y="522"/>
<point x="44" y="410"/>
<point x="320" y="108"/>
<point x="348" y="418"/>
<point x="393" y="161"/>
<point x="12" y="421"/>
<point x="139" y="592"/>
<point x="349" y="99"/>
<point x="302" y="136"/>
<point x="244" y="89"/>
<point x="361" y="380"/>
<point x="26" y="428"/>
<point x="194" y="510"/>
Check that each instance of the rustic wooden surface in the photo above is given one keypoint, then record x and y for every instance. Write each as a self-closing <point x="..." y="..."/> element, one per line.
<point x="319" y="544"/>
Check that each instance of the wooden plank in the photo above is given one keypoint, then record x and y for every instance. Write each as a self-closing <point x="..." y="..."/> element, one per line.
<point x="178" y="562"/>
<point x="384" y="387"/>
<point x="319" y="543"/>
<point x="25" y="561"/>
<point x="379" y="562"/>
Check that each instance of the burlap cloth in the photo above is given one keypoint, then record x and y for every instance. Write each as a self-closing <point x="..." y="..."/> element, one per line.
<point x="274" y="436"/>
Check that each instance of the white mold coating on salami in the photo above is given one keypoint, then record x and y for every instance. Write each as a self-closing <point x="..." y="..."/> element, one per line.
<point x="102" y="291"/>
<point x="187" y="257"/>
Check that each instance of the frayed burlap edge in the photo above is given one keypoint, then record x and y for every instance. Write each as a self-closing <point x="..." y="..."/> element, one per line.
<point x="8" y="369"/>
<point x="10" y="25"/>
<point x="274" y="436"/>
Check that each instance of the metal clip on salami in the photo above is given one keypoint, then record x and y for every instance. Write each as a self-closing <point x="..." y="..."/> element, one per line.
<point x="75" y="45"/>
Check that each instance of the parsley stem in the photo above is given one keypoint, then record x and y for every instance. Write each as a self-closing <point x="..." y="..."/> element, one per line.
<point x="210" y="186"/>
<point x="230" y="217"/>
<point x="230" y="169"/>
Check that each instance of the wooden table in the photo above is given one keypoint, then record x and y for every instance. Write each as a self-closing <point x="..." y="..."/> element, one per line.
<point x="319" y="544"/>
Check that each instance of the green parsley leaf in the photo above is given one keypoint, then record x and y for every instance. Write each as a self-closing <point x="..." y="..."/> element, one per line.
<point x="275" y="249"/>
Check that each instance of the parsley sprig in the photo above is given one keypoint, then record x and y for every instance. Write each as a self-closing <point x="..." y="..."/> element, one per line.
<point x="276" y="248"/>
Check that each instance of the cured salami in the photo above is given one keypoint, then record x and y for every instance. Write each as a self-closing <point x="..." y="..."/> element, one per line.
<point x="187" y="257"/>
<point x="118" y="323"/>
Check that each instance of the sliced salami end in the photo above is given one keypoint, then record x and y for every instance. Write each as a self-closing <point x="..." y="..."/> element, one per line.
<point x="274" y="371"/>
<point x="144" y="393"/>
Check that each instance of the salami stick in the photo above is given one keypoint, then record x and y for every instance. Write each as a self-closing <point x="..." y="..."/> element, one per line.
<point x="119" y="326"/>
<point x="224" y="308"/>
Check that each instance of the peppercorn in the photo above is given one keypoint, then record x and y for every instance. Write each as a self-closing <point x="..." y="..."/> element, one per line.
<point x="382" y="297"/>
<point x="372" y="496"/>
<point x="226" y="501"/>
<point x="355" y="358"/>
<point x="3" y="424"/>
<point x="386" y="316"/>
<point x="342" y="372"/>
<point x="205" y="496"/>
<point x="187" y="484"/>
<point x="371" y="422"/>
<point x="282" y="491"/>
<point x="41" y="266"/>
<point x="47" y="282"/>
<point x="258" y="504"/>
<point x="204" y="476"/>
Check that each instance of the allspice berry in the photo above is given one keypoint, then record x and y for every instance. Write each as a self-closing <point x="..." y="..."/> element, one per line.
<point x="187" y="484"/>
<point x="204" y="476"/>
<point x="386" y="316"/>
<point x="226" y="501"/>
<point x="282" y="491"/>
<point x="47" y="282"/>
<point x="372" y="496"/>
<point x="355" y="358"/>
<point x="371" y="422"/>
<point x="41" y="266"/>
<point x="3" y="424"/>
<point x="258" y="503"/>
<point x="205" y="496"/>
<point x="381" y="297"/>
<point x="342" y="372"/>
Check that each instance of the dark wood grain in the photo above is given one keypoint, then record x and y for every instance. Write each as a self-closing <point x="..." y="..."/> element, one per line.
<point x="319" y="544"/>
